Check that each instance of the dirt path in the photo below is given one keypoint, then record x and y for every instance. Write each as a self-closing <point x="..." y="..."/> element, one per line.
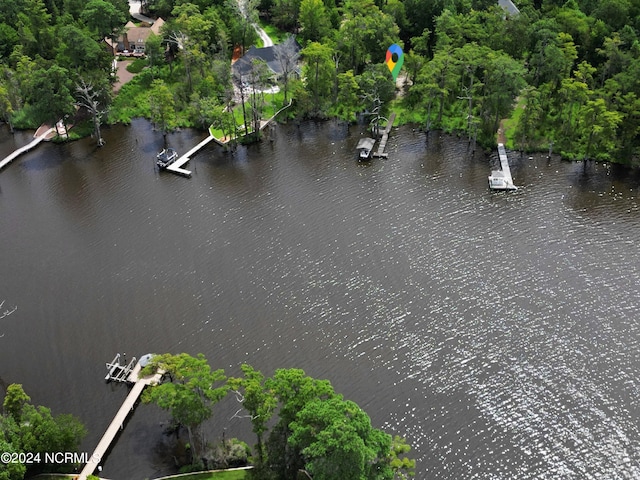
<point x="501" y="137"/>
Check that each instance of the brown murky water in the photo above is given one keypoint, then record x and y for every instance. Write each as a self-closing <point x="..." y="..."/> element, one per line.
<point x="498" y="332"/>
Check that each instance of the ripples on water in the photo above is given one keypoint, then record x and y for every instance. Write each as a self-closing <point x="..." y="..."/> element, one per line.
<point x="497" y="331"/>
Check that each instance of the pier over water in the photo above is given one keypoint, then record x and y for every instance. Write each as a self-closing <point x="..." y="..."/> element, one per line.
<point x="116" y="371"/>
<point x="502" y="179"/>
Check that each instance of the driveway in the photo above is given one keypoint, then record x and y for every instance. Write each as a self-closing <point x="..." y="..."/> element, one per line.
<point x="266" y="39"/>
<point x="122" y="73"/>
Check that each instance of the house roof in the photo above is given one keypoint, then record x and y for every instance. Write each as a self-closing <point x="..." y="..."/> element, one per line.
<point x="243" y="65"/>
<point x="136" y="34"/>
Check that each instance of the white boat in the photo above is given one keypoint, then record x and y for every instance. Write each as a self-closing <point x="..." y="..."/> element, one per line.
<point x="365" y="145"/>
<point x="499" y="181"/>
<point x="166" y="157"/>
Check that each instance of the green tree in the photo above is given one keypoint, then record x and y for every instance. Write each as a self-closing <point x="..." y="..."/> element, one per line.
<point x="365" y="34"/>
<point x="34" y="28"/>
<point x="28" y="428"/>
<point x="502" y="81"/>
<point x="318" y="74"/>
<point x="315" y="23"/>
<point x="191" y="394"/>
<point x="162" y="107"/>
<point x="469" y="60"/>
<point x="79" y="52"/>
<point x="404" y="467"/>
<point x="435" y="81"/>
<point x="247" y="15"/>
<point x="597" y="130"/>
<point x="103" y="19"/>
<point x="11" y="470"/>
<point x="285" y="14"/>
<point x="154" y="51"/>
<point x="336" y="440"/>
<point x="347" y="102"/>
<point x="51" y="97"/>
<point x="6" y="109"/>
<point x="526" y="131"/>
<point x="259" y="402"/>
<point x="41" y="432"/>
<point x="614" y="13"/>
<point x="9" y="38"/>
<point x="14" y="401"/>
<point x="293" y="389"/>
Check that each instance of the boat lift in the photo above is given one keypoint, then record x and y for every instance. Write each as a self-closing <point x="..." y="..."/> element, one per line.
<point x="120" y="372"/>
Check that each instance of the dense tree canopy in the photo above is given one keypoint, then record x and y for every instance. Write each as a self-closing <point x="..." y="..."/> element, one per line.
<point x="467" y="62"/>
<point x="300" y="423"/>
<point x="191" y="395"/>
<point x="28" y="428"/>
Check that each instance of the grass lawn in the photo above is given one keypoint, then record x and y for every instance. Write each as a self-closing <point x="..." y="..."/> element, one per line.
<point x="273" y="103"/>
<point x="405" y="115"/>
<point x="510" y="124"/>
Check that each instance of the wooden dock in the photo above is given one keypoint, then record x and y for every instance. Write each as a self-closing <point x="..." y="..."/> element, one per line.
<point x="176" y="167"/>
<point x="117" y="424"/>
<point x="39" y="138"/>
<point x="264" y="123"/>
<point x="502" y="179"/>
<point x="385" y="136"/>
<point x="504" y="163"/>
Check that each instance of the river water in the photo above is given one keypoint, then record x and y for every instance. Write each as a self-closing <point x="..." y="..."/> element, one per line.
<point x="498" y="332"/>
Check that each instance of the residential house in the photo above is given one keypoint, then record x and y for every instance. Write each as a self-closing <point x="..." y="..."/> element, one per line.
<point x="242" y="67"/>
<point x="133" y="39"/>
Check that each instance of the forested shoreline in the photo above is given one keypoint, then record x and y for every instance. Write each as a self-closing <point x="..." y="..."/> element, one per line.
<point x="569" y="67"/>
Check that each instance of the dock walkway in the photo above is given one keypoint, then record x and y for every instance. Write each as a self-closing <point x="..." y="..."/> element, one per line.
<point x="502" y="179"/>
<point x="8" y="159"/>
<point x="504" y="163"/>
<point x="385" y="136"/>
<point x="176" y="167"/>
<point x="117" y="424"/>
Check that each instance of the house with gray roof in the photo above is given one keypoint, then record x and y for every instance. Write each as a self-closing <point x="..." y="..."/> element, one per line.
<point x="243" y="66"/>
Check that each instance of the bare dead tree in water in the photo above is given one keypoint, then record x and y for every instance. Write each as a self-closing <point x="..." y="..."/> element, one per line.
<point x="5" y="313"/>
<point x="89" y="98"/>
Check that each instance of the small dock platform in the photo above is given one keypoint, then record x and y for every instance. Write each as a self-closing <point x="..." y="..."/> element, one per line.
<point x="380" y="153"/>
<point x="117" y="424"/>
<point x="502" y="179"/>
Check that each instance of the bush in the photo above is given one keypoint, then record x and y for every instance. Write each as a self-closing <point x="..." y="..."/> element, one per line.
<point x="137" y="65"/>
<point x="232" y="453"/>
